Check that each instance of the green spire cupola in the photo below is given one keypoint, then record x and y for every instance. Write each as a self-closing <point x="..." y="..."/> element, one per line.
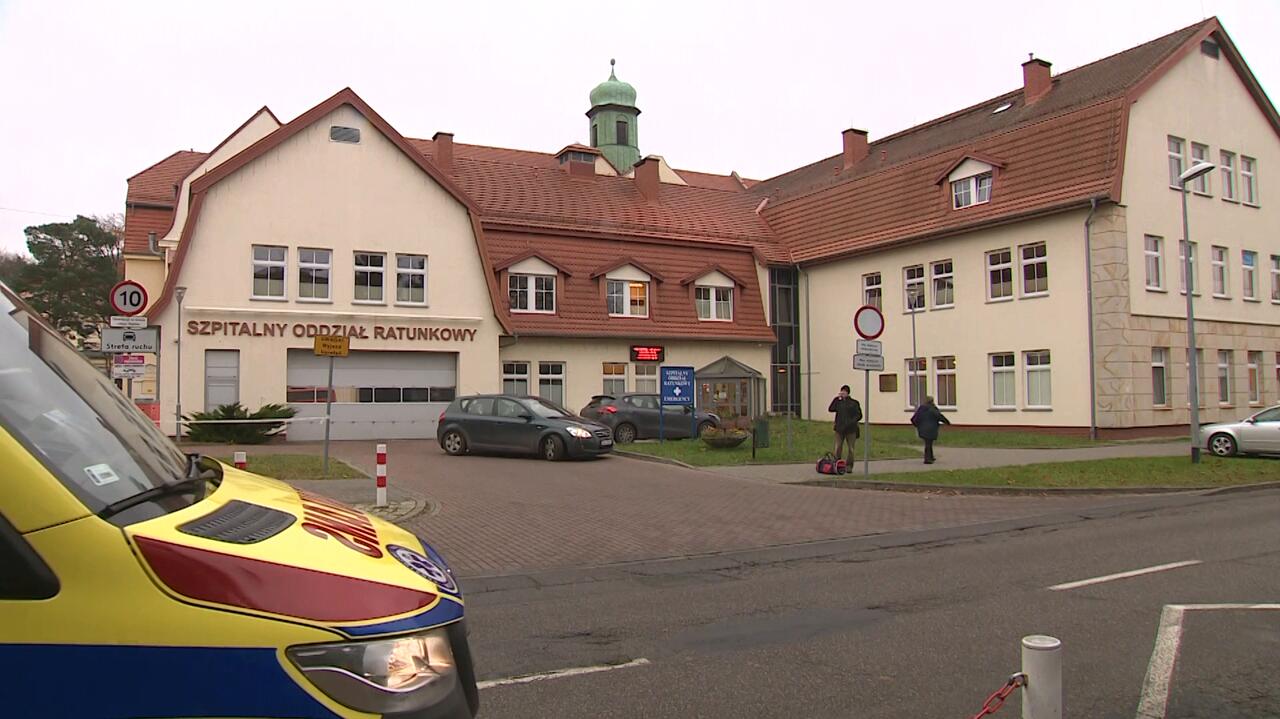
<point x="613" y="115"/>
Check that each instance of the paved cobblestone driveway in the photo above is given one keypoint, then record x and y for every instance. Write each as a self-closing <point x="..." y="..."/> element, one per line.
<point x="498" y="515"/>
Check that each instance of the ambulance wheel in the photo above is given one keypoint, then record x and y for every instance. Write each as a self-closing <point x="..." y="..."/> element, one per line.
<point x="454" y="443"/>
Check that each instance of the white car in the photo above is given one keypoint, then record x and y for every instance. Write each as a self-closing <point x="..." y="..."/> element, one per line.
<point x="1256" y="434"/>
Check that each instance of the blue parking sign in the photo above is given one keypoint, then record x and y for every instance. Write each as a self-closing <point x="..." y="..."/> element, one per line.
<point x="677" y="385"/>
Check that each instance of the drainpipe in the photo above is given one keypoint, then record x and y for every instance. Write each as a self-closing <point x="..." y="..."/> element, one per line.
<point x="808" y="343"/>
<point x="1088" y="269"/>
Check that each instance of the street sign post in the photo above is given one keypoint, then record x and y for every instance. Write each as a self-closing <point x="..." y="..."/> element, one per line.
<point x="329" y="346"/>
<point x="116" y="340"/>
<point x="676" y="387"/>
<point x="868" y="322"/>
<point x="128" y="298"/>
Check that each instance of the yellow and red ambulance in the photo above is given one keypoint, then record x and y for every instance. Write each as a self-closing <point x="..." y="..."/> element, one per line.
<point x="136" y="581"/>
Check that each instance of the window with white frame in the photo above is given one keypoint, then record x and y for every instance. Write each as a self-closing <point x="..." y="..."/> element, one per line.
<point x="628" y="298"/>
<point x="1200" y="153"/>
<point x="1249" y="274"/>
<point x="1275" y="278"/>
<point x="1218" y="270"/>
<point x="944" y="380"/>
<point x="917" y="381"/>
<point x="1182" y="267"/>
<point x="1004" y="380"/>
<point x="1035" y="269"/>
<point x="515" y="378"/>
<point x="913" y="288"/>
<point x="1228" y="169"/>
<point x="713" y="303"/>
<point x="871" y="290"/>
<point x="944" y="291"/>
<point x="615" y="378"/>
<point x="268" y="272"/>
<point x="1248" y="180"/>
<point x="411" y="279"/>
<point x="646" y="377"/>
<point x="1176" y="161"/>
<point x="313" y="273"/>
<point x="1039" y="380"/>
<point x="1153" y="252"/>
<point x="1160" y="376"/>
<point x="532" y="293"/>
<point x="1225" y="360"/>
<point x="1000" y="274"/>
<point x="1255" y="377"/>
<point x="551" y="381"/>
<point x="971" y="190"/>
<point x="370" y="267"/>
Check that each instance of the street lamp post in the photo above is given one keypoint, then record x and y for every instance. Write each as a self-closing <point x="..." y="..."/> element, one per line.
<point x="178" y="292"/>
<point x="1193" y="369"/>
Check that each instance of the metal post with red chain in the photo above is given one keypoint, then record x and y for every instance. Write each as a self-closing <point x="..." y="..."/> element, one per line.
<point x="997" y="699"/>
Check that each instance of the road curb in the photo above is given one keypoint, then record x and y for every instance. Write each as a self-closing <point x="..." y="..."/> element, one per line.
<point x="1024" y="491"/>
<point x="651" y="458"/>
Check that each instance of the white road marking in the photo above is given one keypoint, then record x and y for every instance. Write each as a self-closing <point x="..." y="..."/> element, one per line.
<point x="561" y="673"/>
<point x="1123" y="575"/>
<point x="1155" y="688"/>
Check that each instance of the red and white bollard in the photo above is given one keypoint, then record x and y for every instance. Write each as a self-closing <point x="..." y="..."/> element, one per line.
<point x="240" y="460"/>
<point x="382" y="476"/>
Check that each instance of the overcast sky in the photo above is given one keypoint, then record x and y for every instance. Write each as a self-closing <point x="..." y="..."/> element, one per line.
<point x="96" y="91"/>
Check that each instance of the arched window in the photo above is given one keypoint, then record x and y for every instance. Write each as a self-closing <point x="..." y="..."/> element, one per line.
<point x="595" y="135"/>
<point x="622" y="138"/>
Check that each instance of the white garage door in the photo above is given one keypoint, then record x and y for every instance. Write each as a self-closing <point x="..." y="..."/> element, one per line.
<point x="376" y="395"/>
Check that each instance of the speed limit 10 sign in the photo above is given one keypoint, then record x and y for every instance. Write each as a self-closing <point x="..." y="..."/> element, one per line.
<point x="128" y="298"/>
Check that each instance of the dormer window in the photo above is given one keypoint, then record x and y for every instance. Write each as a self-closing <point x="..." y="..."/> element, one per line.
<point x="971" y="190"/>
<point x="713" y="295"/>
<point x="532" y="293"/>
<point x="576" y="156"/>
<point x="628" y="298"/>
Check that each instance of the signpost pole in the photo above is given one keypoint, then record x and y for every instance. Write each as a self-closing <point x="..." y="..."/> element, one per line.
<point x="662" y="410"/>
<point x="866" y="418"/>
<point x="693" y="410"/>
<point x="328" y="420"/>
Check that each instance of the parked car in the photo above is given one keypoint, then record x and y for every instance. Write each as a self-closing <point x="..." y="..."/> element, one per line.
<point x="185" y="587"/>
<point x="1257" y="434"/>
<point x="635" y="415"/>
<point x="506" y="423"/>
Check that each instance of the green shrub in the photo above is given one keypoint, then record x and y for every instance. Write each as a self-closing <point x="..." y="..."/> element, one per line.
<point x="226" y="430"/>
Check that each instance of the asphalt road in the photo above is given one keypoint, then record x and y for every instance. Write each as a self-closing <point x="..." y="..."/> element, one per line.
<point x="920" y="624"/>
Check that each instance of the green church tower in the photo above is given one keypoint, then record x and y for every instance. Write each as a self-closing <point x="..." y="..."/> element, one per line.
<point x="613" y="115"/>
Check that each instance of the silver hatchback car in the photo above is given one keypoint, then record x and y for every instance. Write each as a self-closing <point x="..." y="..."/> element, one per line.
<point x="1256" y="434"/>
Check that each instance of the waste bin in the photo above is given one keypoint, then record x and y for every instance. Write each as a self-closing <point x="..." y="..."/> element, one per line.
<point x="761" y="431"/>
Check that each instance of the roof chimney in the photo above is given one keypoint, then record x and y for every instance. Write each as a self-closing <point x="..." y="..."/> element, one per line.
<point x="1036" y="81"/>
<point x="646" y="171"/>
<point x="855" y="147"/>
<point x="443" y="153"/>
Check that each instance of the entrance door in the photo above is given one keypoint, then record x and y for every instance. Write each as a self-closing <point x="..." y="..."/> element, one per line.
<point x="221" y="378"/>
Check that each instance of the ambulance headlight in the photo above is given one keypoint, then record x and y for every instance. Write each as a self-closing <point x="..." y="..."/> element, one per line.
<point x="392" y="675"/>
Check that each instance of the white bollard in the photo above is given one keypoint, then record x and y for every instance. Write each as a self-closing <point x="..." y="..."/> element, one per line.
<point x="1042" y="663"/>
<point x="240" y="460"/>
<point x="382" y="476"/>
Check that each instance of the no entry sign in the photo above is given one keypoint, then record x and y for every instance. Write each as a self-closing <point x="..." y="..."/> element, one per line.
<point x="868" y="322"/>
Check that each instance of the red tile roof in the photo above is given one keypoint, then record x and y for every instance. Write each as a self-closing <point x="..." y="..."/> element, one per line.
<point x="139" y="221"/>
<point x="155" y="185"/>
<point x="581" y="309"/>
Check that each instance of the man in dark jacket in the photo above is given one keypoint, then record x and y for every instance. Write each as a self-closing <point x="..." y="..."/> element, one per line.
<point x="848" y="415"/>
<point x="927" y="419"/>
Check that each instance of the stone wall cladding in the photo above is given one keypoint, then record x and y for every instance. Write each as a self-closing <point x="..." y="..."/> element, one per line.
<point x="1123" y="343"/>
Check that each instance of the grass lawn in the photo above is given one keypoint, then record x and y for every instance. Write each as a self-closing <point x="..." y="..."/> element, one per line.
<point x="1105" y="473"/>
<point x="969" y="437"/>
<point x="809" y="441"/>
<point x="297" y="466"/>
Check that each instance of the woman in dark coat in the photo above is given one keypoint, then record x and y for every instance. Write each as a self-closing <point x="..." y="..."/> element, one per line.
<point x="927" y="419"/>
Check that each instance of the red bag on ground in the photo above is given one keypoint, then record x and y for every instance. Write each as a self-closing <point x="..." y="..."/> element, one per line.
<point x="827" y="465"/>
<point x="841" y="467"/>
